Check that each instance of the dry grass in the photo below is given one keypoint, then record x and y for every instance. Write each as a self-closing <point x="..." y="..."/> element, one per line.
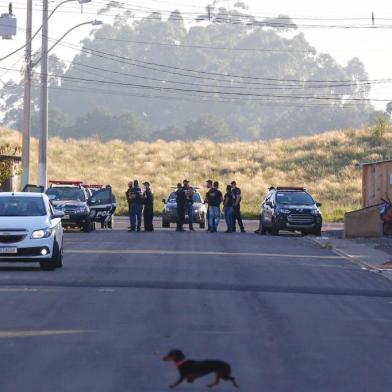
<point x="325" y="164"/>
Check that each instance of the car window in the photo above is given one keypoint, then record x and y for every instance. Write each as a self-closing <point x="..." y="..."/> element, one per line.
<point x="196" y="198"/>
<point x="66" y="193"/>
<point x="102" y="196"/>
<point x="22" y="206"/>
<point x="296" y="198"/>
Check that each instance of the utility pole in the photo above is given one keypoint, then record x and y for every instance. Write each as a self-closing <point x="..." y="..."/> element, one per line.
<point x="43" y="140"/>
<point x="27" y="99"/>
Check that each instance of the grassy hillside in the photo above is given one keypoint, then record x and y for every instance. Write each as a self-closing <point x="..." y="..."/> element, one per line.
<point x="325" y="164"/>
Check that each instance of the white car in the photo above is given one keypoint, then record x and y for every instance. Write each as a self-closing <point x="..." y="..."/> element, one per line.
<point x="30" y="230"/>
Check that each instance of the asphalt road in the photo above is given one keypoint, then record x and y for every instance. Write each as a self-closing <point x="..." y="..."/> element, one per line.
<point x="285" y="313"/>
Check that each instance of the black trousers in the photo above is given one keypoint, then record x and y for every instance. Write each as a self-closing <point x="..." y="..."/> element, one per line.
<point x="237" y="217"/>
<point x="180" y="216"/>
<point x="148" y="216"/>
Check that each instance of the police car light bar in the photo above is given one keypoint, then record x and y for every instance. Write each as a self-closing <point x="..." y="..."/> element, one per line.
<point x="94" y="186"/>
<point x="290" y="188"/>
<point x="68" y="182"/>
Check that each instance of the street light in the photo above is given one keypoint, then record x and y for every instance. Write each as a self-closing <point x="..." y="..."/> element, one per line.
<point x="27" y="81"/>
<point x="43" y="140"/>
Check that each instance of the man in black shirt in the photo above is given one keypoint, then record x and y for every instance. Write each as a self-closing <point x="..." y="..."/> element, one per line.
<point x="136" y="198"/>
<point x="237" y="206"/>
<point x="208" y="186"/>
<point x="129" y="201"/>
<point x="181" y="200"/>
<point x="214" y="200"/>
<point x="148" y="211"/>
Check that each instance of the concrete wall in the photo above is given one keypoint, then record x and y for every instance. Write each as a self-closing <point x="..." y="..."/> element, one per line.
<point x="363" y="223"/>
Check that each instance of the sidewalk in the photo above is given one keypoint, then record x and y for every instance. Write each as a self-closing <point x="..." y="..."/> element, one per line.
<point x="370" y="253"/>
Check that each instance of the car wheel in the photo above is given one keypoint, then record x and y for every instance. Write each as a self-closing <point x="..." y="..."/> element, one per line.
<point x="87" y="227"/>
<point x="274" y="229"/>
<point x="304" y="233"/>
<point x="317" y="232"/>
<point x="47" y="265"/>
<point x="57" y="258"/>
<point x="165" y="224"/>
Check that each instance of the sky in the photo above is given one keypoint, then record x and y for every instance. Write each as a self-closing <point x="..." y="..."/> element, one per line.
<point x="373" y="46"/>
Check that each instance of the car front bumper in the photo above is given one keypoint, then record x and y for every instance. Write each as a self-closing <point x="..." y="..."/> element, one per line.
<point x="306" y="222"/>
<point x="28" y="250"/>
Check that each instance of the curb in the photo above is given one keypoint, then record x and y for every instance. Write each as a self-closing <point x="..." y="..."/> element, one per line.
<point x="347" y="256"/>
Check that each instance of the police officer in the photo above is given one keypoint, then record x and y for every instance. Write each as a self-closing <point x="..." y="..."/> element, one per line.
<point x="148" y="211"/>
<point x="181" y="200"/>
<point x="129" y="201"/>
<point x="136" y="206"/>
<point x="189" y="192"/>
<point x="208" y="186"/>
<point x="236" y="192"/>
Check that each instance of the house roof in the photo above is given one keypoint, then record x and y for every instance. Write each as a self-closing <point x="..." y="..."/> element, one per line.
<point x="375" y="163"/>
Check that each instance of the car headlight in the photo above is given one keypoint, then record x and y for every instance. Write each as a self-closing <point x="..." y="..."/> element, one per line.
<point x="316" y="212"/>
<point x="196" y="210"/>
<point x="81" y="210"/>
<point x="284" y="211"/>
<point x="42" y="233"/>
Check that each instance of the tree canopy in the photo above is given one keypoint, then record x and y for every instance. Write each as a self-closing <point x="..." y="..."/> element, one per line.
<point x="226" y="76"/>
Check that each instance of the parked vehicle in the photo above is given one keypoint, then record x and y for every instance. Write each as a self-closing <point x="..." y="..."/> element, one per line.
<point x="102" y="204"/>
<point x="292" y="209"/>
<point x="169" y="213"/>
<point x="71" y="197"/>
<point x="30" y="230"/>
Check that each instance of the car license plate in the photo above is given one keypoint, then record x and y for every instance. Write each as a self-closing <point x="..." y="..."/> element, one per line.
<point x="66" y="217"/>
<point x="8" y="250"/>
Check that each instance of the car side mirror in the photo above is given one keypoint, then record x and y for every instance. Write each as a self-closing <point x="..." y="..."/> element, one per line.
<point x="164" y="201"/>
<point x="269" y="203"/>
<point x="91" y="200"/>
<point x="57" y="214"/>
<point x="319" y="204"/>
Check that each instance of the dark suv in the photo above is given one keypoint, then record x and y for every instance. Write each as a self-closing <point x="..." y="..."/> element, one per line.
<point x="72" y="198"/>
<point x="292" y="209"/>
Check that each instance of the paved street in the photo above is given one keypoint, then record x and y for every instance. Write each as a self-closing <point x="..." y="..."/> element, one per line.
<point x="285" y="313"/>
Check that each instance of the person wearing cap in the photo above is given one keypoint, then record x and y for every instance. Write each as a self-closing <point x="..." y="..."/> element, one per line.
<point x="129" y="201"/>
<point x="208" y="186"/>
<point x="136" y="206"/>
<point x="181" y="200"/>
<point x="236" y="192"/>
<point x="148" y="211"/>
<point x="214" y="199"/>
<point x="189" y="192"/>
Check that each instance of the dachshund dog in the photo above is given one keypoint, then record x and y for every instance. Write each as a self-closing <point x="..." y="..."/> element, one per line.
<point x="190" y="370"/>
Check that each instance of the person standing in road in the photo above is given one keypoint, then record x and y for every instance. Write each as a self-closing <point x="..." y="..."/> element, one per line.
<point x="237" y="207"/>
<point x="136" y="206"/>
<point x="228" y="203"/>
<point x="214" y="199"/>
<point x="148" y="211"/>
<point x="189" y="192"/>
<point x="181" y="200"/>
<point x="129" y="201"/>
<point x="208" y="186"/>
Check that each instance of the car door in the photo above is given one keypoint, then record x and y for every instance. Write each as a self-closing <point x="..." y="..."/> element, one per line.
<point x="268" y="209"/>
<point x="102" y="205"/>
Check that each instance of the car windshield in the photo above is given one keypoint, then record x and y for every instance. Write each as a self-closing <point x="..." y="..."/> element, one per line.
<point x="22" y="206"/>
<point x="295" y="198"/>
<point x="66" y="193"/>
<point x="172" y="198"/>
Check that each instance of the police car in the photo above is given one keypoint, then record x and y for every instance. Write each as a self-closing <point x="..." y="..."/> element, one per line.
<point x="30" y="230"/>
<point x="102" y="204"/>
<point x="291" y="209"/>
<point x="71" y="197"/>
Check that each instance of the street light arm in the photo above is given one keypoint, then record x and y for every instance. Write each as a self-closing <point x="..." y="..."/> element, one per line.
<point x="93" y="22"/>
